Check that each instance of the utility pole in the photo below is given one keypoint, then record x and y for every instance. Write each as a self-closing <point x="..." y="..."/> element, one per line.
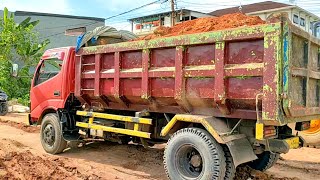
<point x="173" y="14"/>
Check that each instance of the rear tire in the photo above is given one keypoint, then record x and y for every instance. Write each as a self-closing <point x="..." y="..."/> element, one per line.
<point x="3" y="108"/>
<point x="230" y="169"/>
<point x="265" y="161"/>
<point x="51" y="134"/>
<point x="311" y="136"/>
<point x="192" y="153"/>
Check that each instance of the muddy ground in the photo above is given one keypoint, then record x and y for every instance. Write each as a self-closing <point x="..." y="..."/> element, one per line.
<point x="22" y="157"/>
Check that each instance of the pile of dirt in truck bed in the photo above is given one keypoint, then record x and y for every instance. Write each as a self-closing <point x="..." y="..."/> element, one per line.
<point x="206" y="24"/>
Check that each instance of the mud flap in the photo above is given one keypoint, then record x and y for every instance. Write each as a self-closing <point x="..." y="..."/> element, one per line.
<point x="68" y="134"/>
<point x="28" y="120"/>
<point x="241" y="151"/>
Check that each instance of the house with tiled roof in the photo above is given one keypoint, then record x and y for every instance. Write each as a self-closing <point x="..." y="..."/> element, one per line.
<point x="298" y="16"/>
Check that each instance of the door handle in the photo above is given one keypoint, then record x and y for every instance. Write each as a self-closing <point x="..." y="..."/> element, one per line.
<point x="56" y="93"/>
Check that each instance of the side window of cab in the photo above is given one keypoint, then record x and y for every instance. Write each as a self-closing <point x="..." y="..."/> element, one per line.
<point x="47" y="70"/>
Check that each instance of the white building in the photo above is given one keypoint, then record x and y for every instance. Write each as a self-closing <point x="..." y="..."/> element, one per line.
<point x="298" y="16"/>
<point x="146" y="24"/>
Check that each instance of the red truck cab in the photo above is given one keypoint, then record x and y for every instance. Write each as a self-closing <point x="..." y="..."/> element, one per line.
<point x="53" y="82"/>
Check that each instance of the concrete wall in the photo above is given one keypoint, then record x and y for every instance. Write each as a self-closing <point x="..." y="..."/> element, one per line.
<point x="197" y="14"/>
<point x="167" y="21"/>
<point x="53" y="28"/>
<point x="308" y="17"/>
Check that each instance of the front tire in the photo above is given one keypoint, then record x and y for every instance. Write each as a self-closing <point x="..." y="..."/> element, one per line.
<point x="192" y="153"/>
<point x="3" y="108"/>
<point x="265" y="161"/>
<point x="51" y="134"/>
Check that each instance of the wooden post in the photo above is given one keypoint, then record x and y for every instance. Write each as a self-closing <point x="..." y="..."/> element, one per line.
<point x="172" y="13"/>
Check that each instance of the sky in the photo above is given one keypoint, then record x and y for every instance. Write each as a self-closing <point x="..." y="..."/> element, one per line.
<point x="107" y="8"/>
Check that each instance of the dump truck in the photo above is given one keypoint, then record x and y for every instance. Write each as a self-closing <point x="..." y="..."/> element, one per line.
<point x="218" y="99"/>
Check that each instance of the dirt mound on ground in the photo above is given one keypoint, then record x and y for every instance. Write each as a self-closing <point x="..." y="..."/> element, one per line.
<point x="206" y="24"/>
<point x="25" y="165"/>
<point x="17" y="162"/>
<point x="22" y="126"/>
<point x="245" y="173"/>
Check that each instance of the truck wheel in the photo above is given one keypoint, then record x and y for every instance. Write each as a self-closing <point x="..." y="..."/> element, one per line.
<point x="312" y="135"/>
<point x="192" y="153"/>
<point x="265" y="161"/>
<point x="3" y="109"/>
<point x="51" y="134"/>
<point x="230" y="169"/>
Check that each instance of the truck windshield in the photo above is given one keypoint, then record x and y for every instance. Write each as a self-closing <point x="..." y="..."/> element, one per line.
<point x="47" y="70"/>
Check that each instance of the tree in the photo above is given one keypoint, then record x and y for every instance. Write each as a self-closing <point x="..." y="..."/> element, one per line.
<point x="18" y="43"/>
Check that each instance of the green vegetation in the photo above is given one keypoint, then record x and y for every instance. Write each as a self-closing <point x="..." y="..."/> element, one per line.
<point x="18" y="43"/>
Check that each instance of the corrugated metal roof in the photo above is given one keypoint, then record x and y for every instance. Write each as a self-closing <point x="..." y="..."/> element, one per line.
<point x="27" y="13"/>
<point x="250" y="8"/>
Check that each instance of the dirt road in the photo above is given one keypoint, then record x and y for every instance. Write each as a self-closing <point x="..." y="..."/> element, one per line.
<point x="22" y="157"/>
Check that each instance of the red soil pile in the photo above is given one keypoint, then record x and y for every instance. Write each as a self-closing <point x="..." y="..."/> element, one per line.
<point x="22" y="126"/>
<point x="206" y="24"/>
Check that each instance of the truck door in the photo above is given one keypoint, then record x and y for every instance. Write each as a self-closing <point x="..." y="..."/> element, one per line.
<point x="46" y="87"/>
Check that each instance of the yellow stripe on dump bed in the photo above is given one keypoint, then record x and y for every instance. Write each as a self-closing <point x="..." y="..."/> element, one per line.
<point x="114" y="130"/>
<point x="115" y="117"/>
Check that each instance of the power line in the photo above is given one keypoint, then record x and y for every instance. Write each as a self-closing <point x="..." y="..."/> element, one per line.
<point x="134" y="9"/>
<point x="87" y="24"/>
<point x="92" y="23"/>
<point x="208" y="4"/>
<point x="145" y="13"/>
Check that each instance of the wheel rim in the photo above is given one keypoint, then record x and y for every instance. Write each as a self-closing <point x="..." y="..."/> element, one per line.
<point x="189" y="162"/>
<point x="314" y="127"/>
<point x="49" y="135"/>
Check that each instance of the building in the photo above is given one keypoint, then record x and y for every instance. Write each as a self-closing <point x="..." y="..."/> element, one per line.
<point x="146" y="24"/>
<point x="298" y="16"/>
<point x="54" y="26"/>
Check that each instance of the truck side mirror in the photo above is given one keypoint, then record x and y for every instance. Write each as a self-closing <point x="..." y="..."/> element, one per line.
<point x="15" y="69"/>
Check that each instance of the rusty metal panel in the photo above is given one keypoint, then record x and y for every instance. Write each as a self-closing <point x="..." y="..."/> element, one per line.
<point x="145" y="86"/>
<point x="220" y="95"/>
<point x="272" y="48"/>
<point x="97" y="75"/>
<point x="131" y="59"/>
<point x="245" y="52"/>
<point x="215" y="73"/>
<point x="238" y="34"/>
<point x="301" y="75"/>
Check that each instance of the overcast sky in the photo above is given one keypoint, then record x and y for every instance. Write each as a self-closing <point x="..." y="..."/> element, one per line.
<point x="107" y="8"/>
